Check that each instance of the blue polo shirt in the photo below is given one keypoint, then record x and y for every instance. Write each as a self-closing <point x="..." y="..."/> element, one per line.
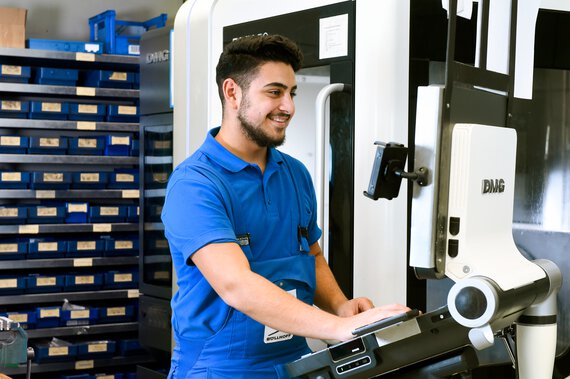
<point x="196" y="213"/>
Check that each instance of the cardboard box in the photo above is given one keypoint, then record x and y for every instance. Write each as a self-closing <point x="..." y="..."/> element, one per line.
<point x="13" y="27"/>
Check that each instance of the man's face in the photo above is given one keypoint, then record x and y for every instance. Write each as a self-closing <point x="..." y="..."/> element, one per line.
<point x="267" y="106"/>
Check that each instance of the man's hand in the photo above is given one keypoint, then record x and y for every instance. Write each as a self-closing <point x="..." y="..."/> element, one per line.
<point x="354" y="307"/>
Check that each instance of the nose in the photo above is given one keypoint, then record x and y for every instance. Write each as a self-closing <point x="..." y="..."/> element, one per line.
<point x="287" y="104"/>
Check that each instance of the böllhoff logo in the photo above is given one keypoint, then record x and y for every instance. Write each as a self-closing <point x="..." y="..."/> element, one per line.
<point x="493" y="186"/>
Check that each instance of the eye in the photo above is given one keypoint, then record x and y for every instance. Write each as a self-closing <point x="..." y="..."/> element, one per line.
<point x="275" y="92"/>
<point x="293" y="94"/>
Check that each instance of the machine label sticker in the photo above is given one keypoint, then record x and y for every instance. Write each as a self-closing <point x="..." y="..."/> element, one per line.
<point x="273" y="335"/>
<point x="333" y="36"/>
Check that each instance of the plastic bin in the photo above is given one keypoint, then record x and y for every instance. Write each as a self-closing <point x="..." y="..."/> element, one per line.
<point x="89" y="180"/>
<point x="76" y="212"/>
<point x="15" y="74"/>
<point x="50" y="352"/>
<point x="133" y="213"/>
<point x="124" y="179"/>
<point x="48" y="145"/>
<point x="118" y="36"/>
<point x="14" y="180"/>
<point x="114" y="314"/>
<point x="26" y="319"/>
<point x="56" y="76"/>
<point x="87" y="112"/>
<point x="50" y="180"/>
<point x="109" y="79"/>
<point x="130" y="347"/>
<point x="92" y="145"/>
<point x="11" y="249"/>
<point x="11" y="284"/>
<point x="121" y="279"/>
<point x="46" y="214"/>
<point x="62" y="45"/>
<point x="44" y="248"/>
<point x="47" y="110"/>
<point x="123" y="113"/>
<point x="13" y="214"/>
<point x="107" y="213"/>
<point x="96" y="349"/>
<point x="85" y="248"/>
<point x="44" y="283"/>
<point x="76" y="317"/>
<point x="48" y="317"/>
<point x="14" y="109"/>
<point x="121" y="246"/>
<point x="83" y="282"/>
<point x="117" y="145"/>
<point x="13" y="144"/>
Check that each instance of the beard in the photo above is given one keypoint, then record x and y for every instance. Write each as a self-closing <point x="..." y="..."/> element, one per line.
<point x="255" y="132"/>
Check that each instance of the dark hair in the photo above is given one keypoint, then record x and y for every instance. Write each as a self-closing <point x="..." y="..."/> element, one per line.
<point x="242" y="57"/>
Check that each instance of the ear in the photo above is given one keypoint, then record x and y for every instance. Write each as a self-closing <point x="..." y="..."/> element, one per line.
<point x="232" y="93"/>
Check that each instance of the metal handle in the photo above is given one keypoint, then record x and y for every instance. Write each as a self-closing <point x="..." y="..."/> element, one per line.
<point x="321" y="126"/>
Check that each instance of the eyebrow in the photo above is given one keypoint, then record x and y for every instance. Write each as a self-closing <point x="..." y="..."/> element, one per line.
<point x="280" y="85"/>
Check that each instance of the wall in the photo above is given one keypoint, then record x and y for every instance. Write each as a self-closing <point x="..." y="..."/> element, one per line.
<point x="69" y="19"/>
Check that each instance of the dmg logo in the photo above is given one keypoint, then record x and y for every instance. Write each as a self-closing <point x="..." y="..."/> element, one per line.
<point x="493" y="186"/>
<point x="157" y="57"/>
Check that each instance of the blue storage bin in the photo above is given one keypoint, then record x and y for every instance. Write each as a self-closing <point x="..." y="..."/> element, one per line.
<point x="13" y="214"/>
<point x="49" y="110"/>
<point x="56" y="76"/>
<point x="14" y="180"/>
<point x="46" y="214"/>
<point x="48" y="145"/>
<point x="62" y="45"/>
<point x="87" y="112"/>
<point x="121" y="279"/>
<point x="121" y="37"/>
<point x="44" y="283"/>
<point x="89" y="180"/>
<point x="117" y="145"/>
<point x="107" y="213"/>
<point x="11" y="249"/>
<point x="48" y="317"/>
<point x="130" y="347"/>
<point x="26" y="319"/>
<point x="15" y="74"/>
<point x="85" y="248"/>
<point x="131" y="375"/>
<point x="124" y="179"/>
<point x="109" y="79"/>
<point x="115" y="314"/>
<point x="76" y="212"/>
<point x="116" y="375"/>
<point x="44" y="248"/>
<point x="14" y="109"/>
<point x="133" y="213"/>
<point x="13" y="144"/>
<point x="137" y="81"/>
<point x="48" y="352"/>
<point x="83" y="282"/>
<point x="76" y="317"/>
<point x="96" y="349"/>
<point x="92" y="145"/>
<point x="121" y="246"/>
<point x="12" y="284"/>
<point x="50" y="180"/>
<point x="123" y="113"/>
<point x="77" y="376"/>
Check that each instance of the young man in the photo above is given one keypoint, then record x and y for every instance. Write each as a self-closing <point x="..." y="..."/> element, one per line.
<point x="240" y="218"/>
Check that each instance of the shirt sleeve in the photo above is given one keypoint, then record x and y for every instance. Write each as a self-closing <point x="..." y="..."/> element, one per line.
<point x="194" y="214"/>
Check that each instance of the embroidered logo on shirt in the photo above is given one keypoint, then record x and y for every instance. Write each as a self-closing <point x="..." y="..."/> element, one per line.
<point x="273" y="335"/>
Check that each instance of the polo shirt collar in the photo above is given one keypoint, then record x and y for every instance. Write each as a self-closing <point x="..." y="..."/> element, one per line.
<point x="219" y="154"/>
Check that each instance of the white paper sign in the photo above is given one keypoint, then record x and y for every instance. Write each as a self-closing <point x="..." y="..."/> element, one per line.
<point x="333" y="36"/>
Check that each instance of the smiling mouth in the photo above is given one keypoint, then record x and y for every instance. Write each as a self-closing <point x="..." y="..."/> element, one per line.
<point x="281" y="117"/>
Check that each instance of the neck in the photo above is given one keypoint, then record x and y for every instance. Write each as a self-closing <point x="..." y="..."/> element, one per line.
<point x="239" y="145"/>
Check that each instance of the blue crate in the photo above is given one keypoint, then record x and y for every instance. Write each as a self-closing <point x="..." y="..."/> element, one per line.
<point x="13" y="214"/>
<point x="118" y="145"/>
<point x="135" y="150"/>
<point x="48" y="145"/>
<point x="62" y="45"/>
<point x="49" y="110"/>
<point x="88" y="145"/>
<point x="107" y="213"/>
<point x="76" y="212"/>
<point x="121" y="246"/>
<point x="117" y="375"/>
<point x="56" y="76"/>
<point x="115" y="314"/>
<point x="89" y="180"/>
<point x="14" y="109"/>
<point x="12" y="249"/>
<point x="44" y="283"/>
<point x="76" y="376"/>
<point x="121" y="279"/>
<point x="14" y="180"/>
<point x="15" y="74"/>
<point x="121" y="37"/>
<point x="76" y="317"/>
<point x="124" y="179"/>
<point x="133" y="213"/>
<point x="47" y="352"/>
<point x="85" y="248"/>
<point x="12" y="284"/>
<point x="130" y="347"/>
<point x="44" y="248"/>
<point x="50" y="180"/>
<point x="26" y="319"/>
<point x="46" y="214"/>
<point x="48" y="317"/>
<point x="83" y="282"/>
<point x="137" y="81"/>
<point x="87" y="112"/>
<point x="14" y="144"/>
<point x="123" y="113"/>
<point x="96" y="349"/>
<point x="109" y="79"/>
